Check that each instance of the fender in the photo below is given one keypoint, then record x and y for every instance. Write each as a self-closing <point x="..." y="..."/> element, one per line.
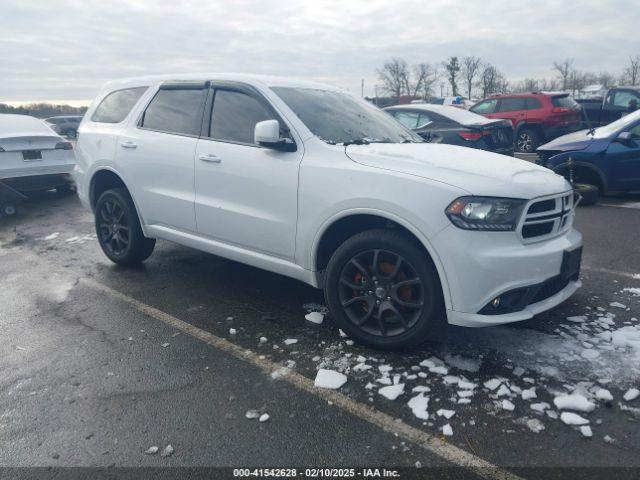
<point x="560" y="162"/>
<point x="117" y="174"/>
<point x="394" y="218"/>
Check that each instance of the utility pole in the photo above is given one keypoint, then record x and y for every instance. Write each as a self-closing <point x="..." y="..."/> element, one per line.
<point x="375" y="89"/>
<point x="362" y="89"/>
<point x="441" y="89"/>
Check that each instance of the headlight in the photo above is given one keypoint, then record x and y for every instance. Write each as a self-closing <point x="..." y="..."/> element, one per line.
<point x="485" y="213"/>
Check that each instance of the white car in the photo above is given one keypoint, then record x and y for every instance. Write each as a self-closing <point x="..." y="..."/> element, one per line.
<point x="304" y="180"/>
<point x="32" y="156"/>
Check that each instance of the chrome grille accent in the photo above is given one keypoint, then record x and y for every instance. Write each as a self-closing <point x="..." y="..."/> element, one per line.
<point x="547" y="217"/>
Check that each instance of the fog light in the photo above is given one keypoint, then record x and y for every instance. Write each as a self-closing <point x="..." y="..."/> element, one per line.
<point x="495" y="303"/>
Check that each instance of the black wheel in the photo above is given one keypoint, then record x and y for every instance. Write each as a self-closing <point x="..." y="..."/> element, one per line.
<point x="384" y="291"/>
<point x="118" y="229"/>
<point x="589" y="193"/>
<point x="527" y="140"/>
<point x="72" y="134"/>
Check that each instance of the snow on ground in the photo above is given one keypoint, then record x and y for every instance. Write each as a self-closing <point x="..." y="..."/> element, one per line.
<point x="329" y="379"/>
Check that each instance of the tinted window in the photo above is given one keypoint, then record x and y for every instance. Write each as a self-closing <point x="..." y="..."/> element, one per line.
<point x="564" y="102"/>
<point x="488" y="106"/>
<point x="235" y="115"/>
<point x="624" y="98"/>
<point x="512" y="104"/>
<point x="337" y="117"/>
<point x="635" y="131"/>
<point x="408" y="119"/>
<point x="115" y="107"/>
<point x="175" y="110"/>
<point x="534" y="103"/>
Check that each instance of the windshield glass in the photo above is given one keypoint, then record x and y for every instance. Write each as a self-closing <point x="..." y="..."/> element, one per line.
<point x="621" y="124"/>
<point x="337" y="117"/>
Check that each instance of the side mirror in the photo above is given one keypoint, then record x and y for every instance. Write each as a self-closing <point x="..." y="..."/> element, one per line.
<point x="267" y="134"/>
<point x="624" y="136"/>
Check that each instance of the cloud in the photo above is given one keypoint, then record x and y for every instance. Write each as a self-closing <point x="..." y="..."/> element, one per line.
<point x="69" y="48"/>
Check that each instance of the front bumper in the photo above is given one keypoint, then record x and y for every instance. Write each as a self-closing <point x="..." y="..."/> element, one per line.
<point x="480" y="266"/>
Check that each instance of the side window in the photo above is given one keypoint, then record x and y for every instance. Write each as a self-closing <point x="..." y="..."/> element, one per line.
<point x="635" y="131"/>
<point x="512" y="104"/>
<point x="115" y="107"/>
<point x="408" y="119"/>
<point x="624" y="99"/>
<point x="424" y="120"/>
<point x="533" y="104"/>
<point x="488" y="106"/>
<point x="234" y="116"/>
<point x="175" y="110"/>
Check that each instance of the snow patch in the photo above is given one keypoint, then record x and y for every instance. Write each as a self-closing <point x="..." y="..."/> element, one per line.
<point x="329" y="379"/>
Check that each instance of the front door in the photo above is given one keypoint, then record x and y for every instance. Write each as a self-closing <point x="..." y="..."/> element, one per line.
<point x="623" y="157"/>
<point x="246" y="195"/>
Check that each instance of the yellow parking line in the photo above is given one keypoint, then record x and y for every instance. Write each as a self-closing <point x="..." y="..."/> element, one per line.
<point x="430" y="443"/>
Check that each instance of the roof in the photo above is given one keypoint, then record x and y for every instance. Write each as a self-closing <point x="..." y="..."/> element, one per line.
<point x="263" y="80"/>
<point x="460" y="115"/>
<point x="527" y="94"/>
<point x="12" y="125"/>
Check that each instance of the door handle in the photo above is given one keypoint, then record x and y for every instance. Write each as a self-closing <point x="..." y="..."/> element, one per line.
<point x="129" y="145"/>
<point x="210" y="158"/>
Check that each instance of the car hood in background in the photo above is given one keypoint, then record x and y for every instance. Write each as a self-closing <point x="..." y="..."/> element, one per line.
<point x="569" y="143"/>
<point x="476" y="171"/>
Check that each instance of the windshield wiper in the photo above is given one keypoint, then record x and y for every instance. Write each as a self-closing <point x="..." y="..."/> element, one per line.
<point x="356" y="141"/>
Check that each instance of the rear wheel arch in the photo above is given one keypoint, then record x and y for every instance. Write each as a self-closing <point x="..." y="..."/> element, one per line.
<point x="107" y="179"/>
<point x="584" y="173"/>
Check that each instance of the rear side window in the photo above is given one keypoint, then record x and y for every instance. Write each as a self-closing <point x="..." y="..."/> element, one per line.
<point x="234" y="116"/>
<point x="115" y="107"/>
<point x="175" y="110"/>
<point x="408" y="119"/>
<point x="565" y="102"/>
<point x="533" y="104"/>
<point x="512" y="104"/>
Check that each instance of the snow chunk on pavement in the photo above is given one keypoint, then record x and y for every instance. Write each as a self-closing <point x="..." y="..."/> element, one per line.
<point x="634" y="291"/>
<point x="252" y="414"/>
<point x="589" y="354"/>
<point x="577" y="319"/>
<point x="604" y="394"/>
<point x="447" y="430"/>
<point x="503" y="390"/>
<point x="493" y="383"/>
<point x="617" y="305"/>
<point x="232" y="331"/>
<point x="264" y="417"/>
<point x="168" y="451"/>
<point x="329" y="379"/>
<point x="314" y="317"/>
<point x="573" y="419"/>
<point x="507" y="405"/>
<point x="529" y="393"/>
<point x="574" y="402"/>
<point x="586" y="431"/>
<point x="392" y="391"/>
<point x="631" y="394"/>
<point x="53" y="236"/>
<point x="361" y="367"/>
<point x="535" y="425"/>
<point x="290" y="341"/>
<point x="435" y="365"/>
<point x="540" y="407"/>
<point x="419" y="405"/>
<point x="446" y="413"/>
<point x="152" y="450"/>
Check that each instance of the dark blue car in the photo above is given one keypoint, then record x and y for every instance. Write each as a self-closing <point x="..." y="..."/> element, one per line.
<point x="607" y="157"/>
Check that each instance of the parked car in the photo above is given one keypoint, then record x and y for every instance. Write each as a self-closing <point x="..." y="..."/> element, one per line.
<point x="66" y="125"/>
<point x="454" y="126"/>
<point x="537" y="117"/>
<point x="616" y="103"/>
<point x="305" y="180"/>
<point x="456" y="101"/>
<point x="607" y="157"/>
<point x="32" y="157"/>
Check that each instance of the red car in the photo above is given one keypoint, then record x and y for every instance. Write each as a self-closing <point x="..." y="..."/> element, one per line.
<point x="537" y="117"/>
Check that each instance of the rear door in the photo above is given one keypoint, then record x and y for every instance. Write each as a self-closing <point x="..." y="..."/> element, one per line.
<point x="246" y="194"/>
<point x="512" y="108"/>
<point x="156" y="153"/>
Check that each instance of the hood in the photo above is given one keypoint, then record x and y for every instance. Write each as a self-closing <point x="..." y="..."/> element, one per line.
<point x="572" y="142"/>
<point x="475" y="171"/>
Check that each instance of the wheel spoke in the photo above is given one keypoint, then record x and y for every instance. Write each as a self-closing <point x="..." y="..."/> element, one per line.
<point x="396" y="268"/>
<point x="376" y="261"/>
<point x="389" y="306"/>
<point x="351" y="285"/>
<point x="404" y="283"/>
<point x="353" y="300"/>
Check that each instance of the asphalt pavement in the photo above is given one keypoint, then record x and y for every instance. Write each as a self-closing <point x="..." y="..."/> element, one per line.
<point x="99" y="363"/>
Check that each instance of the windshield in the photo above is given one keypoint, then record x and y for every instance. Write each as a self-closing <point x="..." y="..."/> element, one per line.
<point x="337" y="117"/>
<point x="621" y="124"/>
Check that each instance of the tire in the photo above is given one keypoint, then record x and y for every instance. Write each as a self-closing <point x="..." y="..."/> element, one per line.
<point x="527" y="140"/>
<point x="118" y="229"/>
<point x="589" y="193"/>
<point x="72" y="134"/>
<point x="391" y="282"/>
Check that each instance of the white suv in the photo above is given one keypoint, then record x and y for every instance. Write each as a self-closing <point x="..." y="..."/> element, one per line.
<point x="305" y="180"/>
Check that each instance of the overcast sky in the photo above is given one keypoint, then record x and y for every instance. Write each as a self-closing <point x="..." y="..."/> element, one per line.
<point x="66" y="49"/>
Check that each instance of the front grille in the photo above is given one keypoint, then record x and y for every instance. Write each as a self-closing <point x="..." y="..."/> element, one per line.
<point x="547" y="217"/>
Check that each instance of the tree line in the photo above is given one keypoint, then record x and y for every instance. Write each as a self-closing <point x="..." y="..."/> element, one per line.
<point x="468" y="75"/>
<point x="42" y="110"/>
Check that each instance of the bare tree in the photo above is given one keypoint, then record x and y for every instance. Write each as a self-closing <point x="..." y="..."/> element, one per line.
<point x="394" y="76"/>
<point x="632" y="72"/>
<point x="424" y="76"/>
<point x="470" y="70"/>
<point x="491" y="81"/>
<point x="606" y="79"/>
<point x="564" y="71"/>
<point x="452" y="66"/>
